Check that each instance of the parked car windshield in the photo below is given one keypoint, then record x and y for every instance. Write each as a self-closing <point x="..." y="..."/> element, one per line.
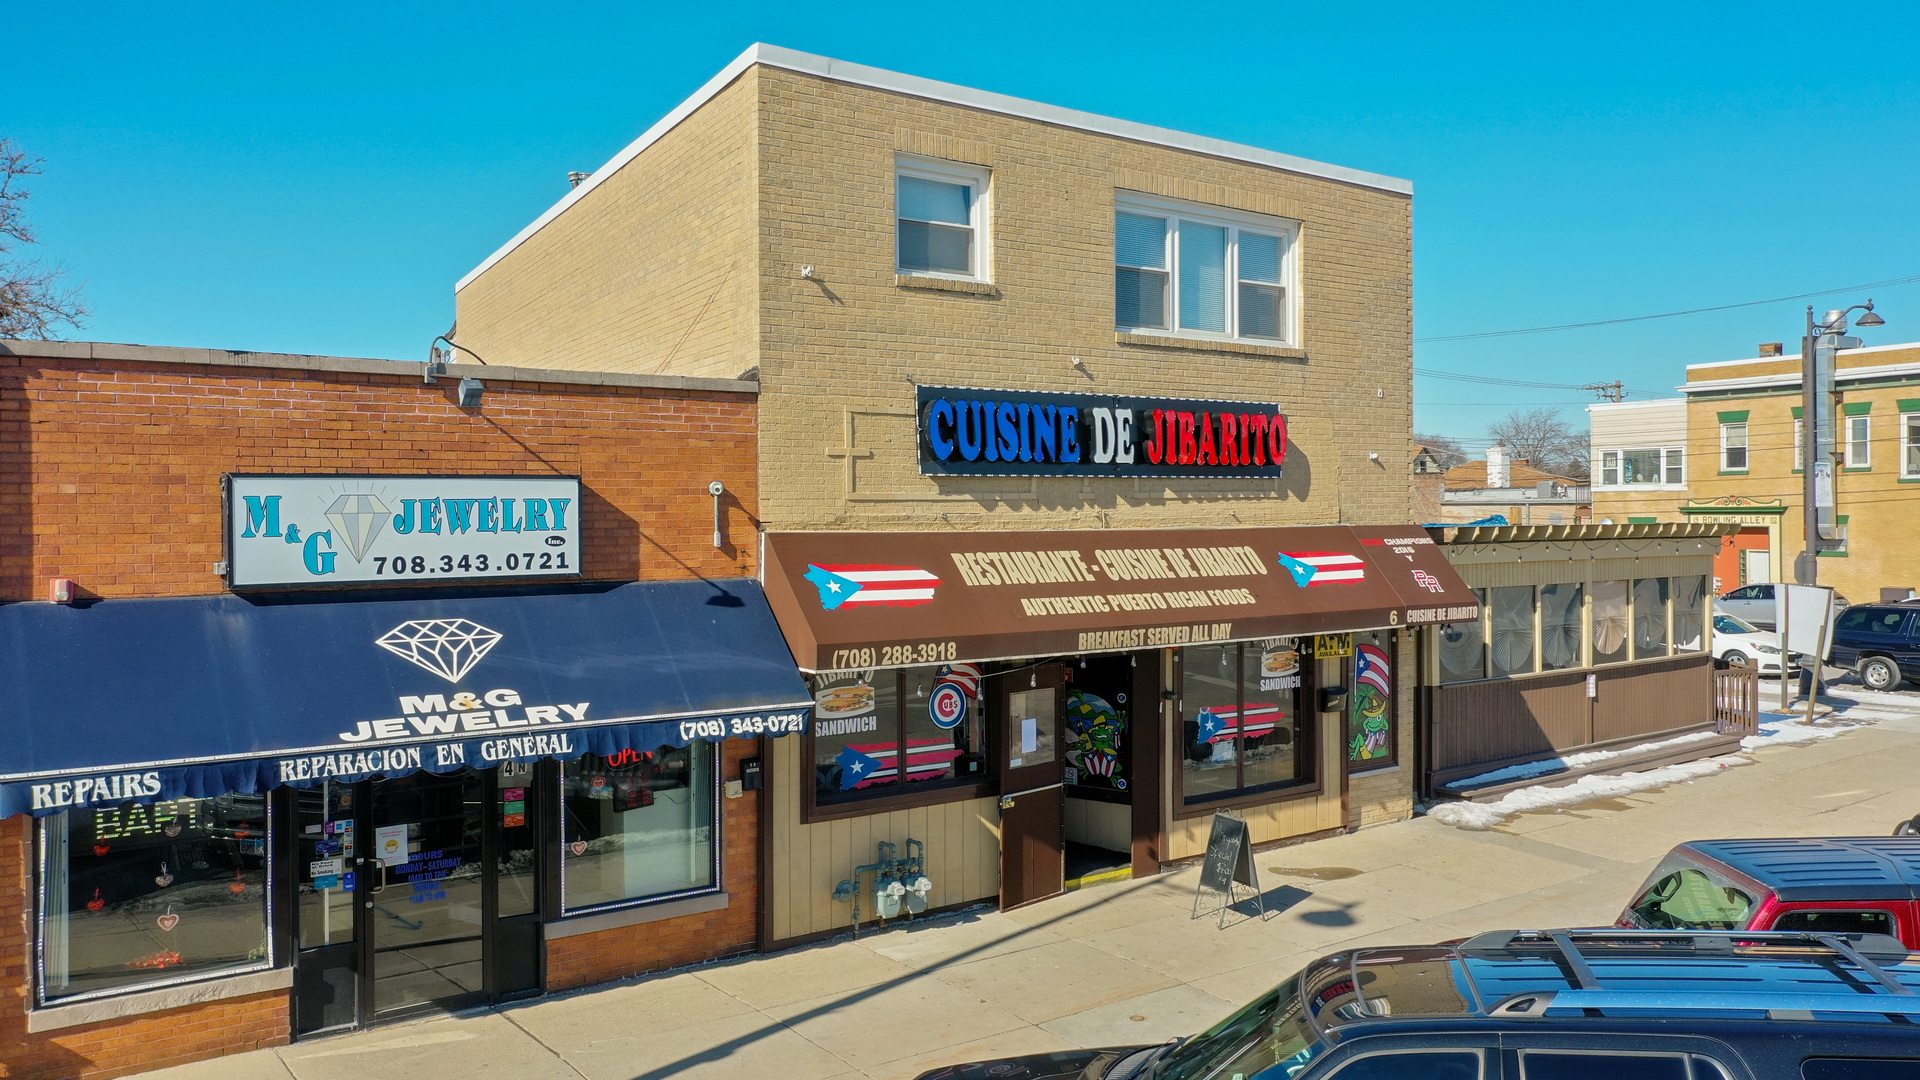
<point x="1727" y="624"/>
<point x="1270" y="1034"/>
<point x="1682" y="896"/>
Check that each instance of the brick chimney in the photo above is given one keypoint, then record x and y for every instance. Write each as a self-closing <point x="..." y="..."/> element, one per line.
<point x="1772" y="348"/>
<point x="1499" y="474"/>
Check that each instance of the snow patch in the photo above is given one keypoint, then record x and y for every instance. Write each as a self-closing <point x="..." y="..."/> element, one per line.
<point x="1571" y="762"/>
<point x="1787" y="732"/>
<point x="1480" y="816"/>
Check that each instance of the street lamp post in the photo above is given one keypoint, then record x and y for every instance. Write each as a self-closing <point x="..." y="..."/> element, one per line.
<point x="1818" y="445"/>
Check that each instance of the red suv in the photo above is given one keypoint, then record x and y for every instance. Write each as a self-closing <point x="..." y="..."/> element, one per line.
<point x="1843" y="885"/>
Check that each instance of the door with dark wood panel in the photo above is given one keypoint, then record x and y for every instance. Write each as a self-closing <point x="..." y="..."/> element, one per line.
<point x="1031" y="765"/>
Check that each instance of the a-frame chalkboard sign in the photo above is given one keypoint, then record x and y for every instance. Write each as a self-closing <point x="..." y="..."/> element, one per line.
<point x="1229" y="864"/>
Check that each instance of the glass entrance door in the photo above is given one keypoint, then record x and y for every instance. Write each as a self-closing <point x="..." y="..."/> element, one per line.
<point x="415" y="893"/>
<point x="424" y="891"/>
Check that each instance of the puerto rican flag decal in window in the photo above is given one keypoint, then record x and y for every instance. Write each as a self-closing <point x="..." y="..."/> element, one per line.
<point x="871" y="585"/>
<point x="1322" y="567"/>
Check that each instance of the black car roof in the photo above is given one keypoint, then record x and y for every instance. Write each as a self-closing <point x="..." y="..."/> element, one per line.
<point x="1545" y="975"/>
<point x="1824" y="868"/>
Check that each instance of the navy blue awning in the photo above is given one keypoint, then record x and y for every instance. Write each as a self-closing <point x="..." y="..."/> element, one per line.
<point x="160" y="699"/>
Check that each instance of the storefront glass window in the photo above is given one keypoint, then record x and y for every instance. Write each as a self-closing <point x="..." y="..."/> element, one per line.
<point x="1463" y="653"/>
<point x="1371" y="720"/>
<point x="1562" y="626"/>
<point x="1209" y="694"/>
<point x="1240" y="712"/>
<point x="1649" y="618"/>
<point x="1609" y="622"/>
<point x="866" y="724"/>
<point x="1689" y="614"/>
<point x="1513" y="630"/>
<point x="638" y="826"/>
<point x="142" y="894"/>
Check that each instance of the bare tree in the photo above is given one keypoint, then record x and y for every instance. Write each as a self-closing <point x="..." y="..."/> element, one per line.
<point x="33" y="300"/>
<point x="1445" y="449"/>
<point x="1545" y="439"/>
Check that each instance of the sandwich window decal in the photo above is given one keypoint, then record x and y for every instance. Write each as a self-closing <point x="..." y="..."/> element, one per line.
<point x="1322" y="567"/>
<point x="871" y="585"/>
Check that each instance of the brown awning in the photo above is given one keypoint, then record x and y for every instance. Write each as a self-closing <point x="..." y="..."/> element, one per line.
<point x="889" y="599"/>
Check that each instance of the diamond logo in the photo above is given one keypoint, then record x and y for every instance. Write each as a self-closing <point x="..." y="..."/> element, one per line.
<point x="447" y="647"/>
<point x="357" y="521"/>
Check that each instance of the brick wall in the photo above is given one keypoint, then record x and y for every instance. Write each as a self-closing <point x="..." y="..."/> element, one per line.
<point x="839" y="353"/>
<point x="635" y="950"/>
<point x="651" y="271"/>
<point x="110" y="475"/>
<point x="110" y="470"/>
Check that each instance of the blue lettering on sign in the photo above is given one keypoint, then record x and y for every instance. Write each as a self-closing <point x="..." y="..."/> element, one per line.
<point x="317" y="561"/>
<point x="263" y="513"/>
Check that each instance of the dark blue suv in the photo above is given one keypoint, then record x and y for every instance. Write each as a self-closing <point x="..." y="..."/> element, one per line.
<point x="1880" y="641"/>
<point x="1552" y="1005"/>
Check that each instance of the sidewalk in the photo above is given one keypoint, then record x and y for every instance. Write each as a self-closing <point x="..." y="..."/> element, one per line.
<point x="1124" y="963"/>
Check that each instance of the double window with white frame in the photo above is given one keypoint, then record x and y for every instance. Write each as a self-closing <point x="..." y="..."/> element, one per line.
<point x="1653" y="467"/>
<point x="940" y="219"/>
<point x="1910" y="446"/>
<point x="1203" y="272"/>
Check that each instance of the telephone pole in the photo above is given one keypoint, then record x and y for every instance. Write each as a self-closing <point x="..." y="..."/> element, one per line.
<point x="1615" y="391"/>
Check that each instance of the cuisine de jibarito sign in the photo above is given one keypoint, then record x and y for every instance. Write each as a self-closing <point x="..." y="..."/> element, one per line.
<point x="975" y="432"/>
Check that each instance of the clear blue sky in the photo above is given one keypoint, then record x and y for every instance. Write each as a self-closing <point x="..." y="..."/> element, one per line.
<point x="314" y="178"/>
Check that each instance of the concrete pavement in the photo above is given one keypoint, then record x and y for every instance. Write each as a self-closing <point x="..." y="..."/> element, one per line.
<point x="1125" y="963"/>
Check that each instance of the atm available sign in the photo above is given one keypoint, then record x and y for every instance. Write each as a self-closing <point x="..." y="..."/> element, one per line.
<point x="341" y="530"/>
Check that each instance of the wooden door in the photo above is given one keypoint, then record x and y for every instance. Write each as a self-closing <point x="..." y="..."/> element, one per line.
<point x="1031" y="766"/>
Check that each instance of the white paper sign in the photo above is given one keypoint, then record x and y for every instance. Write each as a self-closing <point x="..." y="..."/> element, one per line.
<point x="1029" y="735"/>
<point x="333" y="530"/>
<point x="320" y="868"/>
<point x="390" y="844"/>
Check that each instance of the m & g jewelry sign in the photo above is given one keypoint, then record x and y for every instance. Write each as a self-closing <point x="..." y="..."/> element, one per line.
<point x="966" y="432"/>
<point x="339" y="530"/>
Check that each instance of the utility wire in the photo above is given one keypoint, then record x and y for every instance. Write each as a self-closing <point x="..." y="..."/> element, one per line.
<point x="1667" y="314"/>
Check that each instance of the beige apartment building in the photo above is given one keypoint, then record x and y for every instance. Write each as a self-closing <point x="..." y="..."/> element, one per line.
<point x="1744" y="431"/>
<point x="1081" y="491"/>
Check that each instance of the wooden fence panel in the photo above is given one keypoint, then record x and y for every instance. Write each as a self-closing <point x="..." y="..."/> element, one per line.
<point x="1648" y="698"/>
<point x="1736" y="701"/>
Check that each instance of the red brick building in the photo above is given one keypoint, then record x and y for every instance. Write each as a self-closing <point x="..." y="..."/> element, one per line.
<point x="131" y="496"/>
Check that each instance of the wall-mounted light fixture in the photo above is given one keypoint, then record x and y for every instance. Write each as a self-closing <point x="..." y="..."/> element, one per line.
<point x="471" y="390"/>
<point x="717" y="489"/>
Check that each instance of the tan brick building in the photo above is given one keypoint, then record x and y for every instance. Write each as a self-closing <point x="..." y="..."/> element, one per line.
<point x="860" y="241"/>
<point x="1743" y="437"/>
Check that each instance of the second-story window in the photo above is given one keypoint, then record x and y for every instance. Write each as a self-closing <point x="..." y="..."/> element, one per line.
<point x="1859" y="446"/>
<point x="1733" y="447"/>
<point x="940" y="219"/>
<point x="1202" y="271"/>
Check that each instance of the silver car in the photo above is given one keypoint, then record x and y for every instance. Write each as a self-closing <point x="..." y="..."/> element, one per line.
<point x="1755" y="604"/>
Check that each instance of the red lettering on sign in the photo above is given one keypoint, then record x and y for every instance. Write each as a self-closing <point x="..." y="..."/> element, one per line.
<point x="1208" y="454"/>
<point x="1188" y="449"/>
<point x="1277" y="439"/>
<point x="1258" y="423"/>
<point x="1229" y="440"/>
<point x="1157" y="447"/>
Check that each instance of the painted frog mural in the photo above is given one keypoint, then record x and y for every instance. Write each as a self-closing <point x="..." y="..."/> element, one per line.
<point x="1097" y="732"/>
<point x="1371" y="731"/>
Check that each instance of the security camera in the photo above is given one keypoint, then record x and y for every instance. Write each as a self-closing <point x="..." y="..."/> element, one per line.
<point x="716" y="488"/>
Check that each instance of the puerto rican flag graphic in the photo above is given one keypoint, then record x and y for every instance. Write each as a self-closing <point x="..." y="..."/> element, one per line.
<point x="1373" y="668"/>
<point x="869" y="585"/>
<point x="1260" y="720"/>
<point x="1323" y="567"/>
<point x="927" y="759"/>
<point x="964" y="676"/>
